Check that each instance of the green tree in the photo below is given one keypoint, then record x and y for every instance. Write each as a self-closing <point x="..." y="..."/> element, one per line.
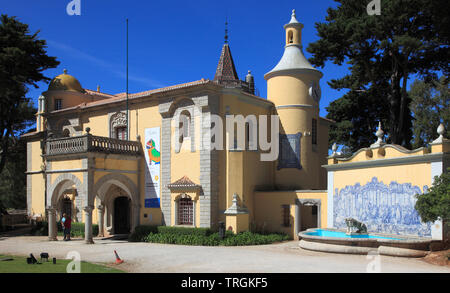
<point x="430" y="106"/>
<point x="13" y="180"/>
<point x="435" y="204"/>
<point x="383" y="52"/>
<point x="22" y="60"/>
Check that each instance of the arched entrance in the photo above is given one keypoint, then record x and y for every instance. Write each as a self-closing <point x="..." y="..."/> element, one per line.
<point x="122" y="219"/>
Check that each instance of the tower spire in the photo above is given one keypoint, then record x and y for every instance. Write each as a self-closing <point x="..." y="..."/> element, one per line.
<point x="226" y="30"/>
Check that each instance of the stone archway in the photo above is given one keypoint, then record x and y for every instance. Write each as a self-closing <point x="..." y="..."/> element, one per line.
<point x="107" y="189"/>
<point x="55" y="192"/>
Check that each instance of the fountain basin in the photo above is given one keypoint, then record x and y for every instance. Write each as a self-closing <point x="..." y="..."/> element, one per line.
<point x="337" y="241"/>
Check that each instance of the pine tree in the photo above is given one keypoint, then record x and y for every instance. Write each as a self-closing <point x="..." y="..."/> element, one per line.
<point x="383" y="52"/>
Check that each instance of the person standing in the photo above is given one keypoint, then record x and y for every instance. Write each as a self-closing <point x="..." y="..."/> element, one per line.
<point x="63" y="220"/>
<point x="67" y="227"/>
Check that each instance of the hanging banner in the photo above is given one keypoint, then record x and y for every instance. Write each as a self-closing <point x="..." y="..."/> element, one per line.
<point x="152" y="153"/>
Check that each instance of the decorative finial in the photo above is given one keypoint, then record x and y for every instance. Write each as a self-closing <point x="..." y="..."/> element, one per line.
<point x="293" y="12"/>
<point x="334" y="148"/>
<point x="441" y="131"/>
<point x="226" y="30"/>
<point x="65" y="71"/>
<point x="98" y="88"/>
<point x="380" y="135"/>
<point x="88" y="129"/>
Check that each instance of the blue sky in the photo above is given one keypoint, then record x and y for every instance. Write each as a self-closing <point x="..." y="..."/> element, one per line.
<point x="170" y="42"/>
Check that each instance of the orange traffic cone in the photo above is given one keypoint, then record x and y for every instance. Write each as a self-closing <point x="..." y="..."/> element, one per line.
<point x="118" y="260"/>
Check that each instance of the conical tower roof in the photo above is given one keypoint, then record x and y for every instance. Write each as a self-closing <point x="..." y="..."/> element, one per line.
<point x="226" y="71"/>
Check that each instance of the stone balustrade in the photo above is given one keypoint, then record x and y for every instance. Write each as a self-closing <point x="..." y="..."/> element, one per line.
<point x="91" y="143"/>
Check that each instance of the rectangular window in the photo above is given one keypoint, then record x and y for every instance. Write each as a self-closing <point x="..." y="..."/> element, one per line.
<point x="314" y="132"/>
<point x="289" y="156"/>
<point x="121" y="133"/>
<point x="286" y="215"/>
<point x="58" y="104"/>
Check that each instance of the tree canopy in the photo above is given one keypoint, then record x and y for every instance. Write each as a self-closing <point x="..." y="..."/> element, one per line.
<point x="22" y="61"/>
<point x="383" y="52"/>
<point x="13" y="180"/>
<point x="430" y="106"/>
<point x="435" y="204"/>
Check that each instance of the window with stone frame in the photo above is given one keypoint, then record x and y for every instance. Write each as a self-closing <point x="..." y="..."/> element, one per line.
<point x="58" y="104"/>
<point x="184" y="125"/>
<point x="289" y="156"/>
<point x="118" y="126"/>
<point x="286" y="215"/>
<point x="121" y="132"/>
<point x="185" y="211"/>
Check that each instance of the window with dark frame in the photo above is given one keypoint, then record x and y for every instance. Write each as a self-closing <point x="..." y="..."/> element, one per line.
<point x="286" y="215"/>
<point x="314" y="131"/>
<point x="58" y="104"/>
<point x="314" y="210"/>
<point x="185" y="211"/>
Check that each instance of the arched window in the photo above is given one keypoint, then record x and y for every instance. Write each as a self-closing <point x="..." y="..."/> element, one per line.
<point x="290" y="37"/>
<point x="184" y="125"/>
<point x="66" y="133"/>
<point x="118" y="126"/>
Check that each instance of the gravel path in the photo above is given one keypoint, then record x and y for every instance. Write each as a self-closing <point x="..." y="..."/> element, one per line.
<point x="162" y="258"/>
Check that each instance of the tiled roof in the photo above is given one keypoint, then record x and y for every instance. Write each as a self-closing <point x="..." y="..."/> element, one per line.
<point x="108" y="99"/>
<point x="183" y="182"/>
<point x="226" y="71"/>
<point x="99" y="94"/>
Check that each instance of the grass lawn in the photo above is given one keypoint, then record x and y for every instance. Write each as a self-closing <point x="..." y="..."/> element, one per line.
<point x="19" y="265"/>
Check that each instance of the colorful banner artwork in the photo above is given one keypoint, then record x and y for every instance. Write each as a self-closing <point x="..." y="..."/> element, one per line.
<point x="152" y="148"/>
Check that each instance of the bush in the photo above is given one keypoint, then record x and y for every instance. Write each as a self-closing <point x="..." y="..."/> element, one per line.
<point x="435" y="204"/>
<point x="184" y="231"/>
<point x="206" y="237"/>
<point x="141" y="232"/>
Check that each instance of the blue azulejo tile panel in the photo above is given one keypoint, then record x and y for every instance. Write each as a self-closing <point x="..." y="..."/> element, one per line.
<point x="383" y="208"/>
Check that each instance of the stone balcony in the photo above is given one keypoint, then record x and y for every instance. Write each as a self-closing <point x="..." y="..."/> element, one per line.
<point x="91" y="143"/>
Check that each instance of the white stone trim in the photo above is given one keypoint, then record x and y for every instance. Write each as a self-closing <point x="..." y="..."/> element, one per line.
<point x="330" y="201"/>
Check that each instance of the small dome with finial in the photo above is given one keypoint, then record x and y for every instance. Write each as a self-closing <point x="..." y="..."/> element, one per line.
<point x="380" y="135"/>
<point x="65" y="82"/>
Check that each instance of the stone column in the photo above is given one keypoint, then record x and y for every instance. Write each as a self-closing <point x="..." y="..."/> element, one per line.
<point x="52" y="229"/>
<point x="101" y="217"/>
<point x="88" y="224"/>
<point x="297" y="219"/>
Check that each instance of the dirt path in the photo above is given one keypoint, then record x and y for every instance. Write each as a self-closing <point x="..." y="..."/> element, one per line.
<point x="276" y="258"/>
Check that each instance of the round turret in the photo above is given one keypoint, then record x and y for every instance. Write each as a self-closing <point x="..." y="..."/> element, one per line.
<point x="293" y="86"/>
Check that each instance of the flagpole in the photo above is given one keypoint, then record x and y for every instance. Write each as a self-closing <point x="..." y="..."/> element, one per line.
<point x="128" y="124"/>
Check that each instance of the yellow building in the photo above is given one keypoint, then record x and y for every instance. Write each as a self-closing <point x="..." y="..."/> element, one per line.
<point x="160" y="162"/>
